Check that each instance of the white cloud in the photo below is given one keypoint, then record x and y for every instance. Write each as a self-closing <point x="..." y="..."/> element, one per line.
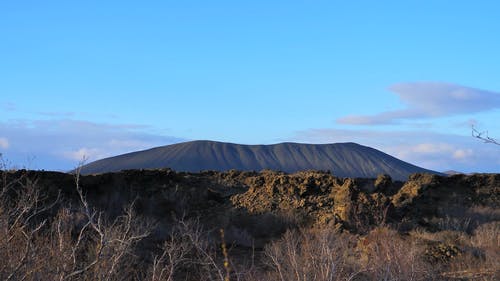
<point x="430" y="99"/>
<point x="462" y="154"/>
<point x="437" y="152"/>
<point x="85" y="153"/>
<point x="432" y="148"/>
<point x="4" y="143"/>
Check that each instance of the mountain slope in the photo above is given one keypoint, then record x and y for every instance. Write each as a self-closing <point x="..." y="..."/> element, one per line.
<point x="343" y="159"/>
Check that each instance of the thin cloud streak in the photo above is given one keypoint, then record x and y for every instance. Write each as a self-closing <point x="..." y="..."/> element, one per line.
<point x="430" y="100"/>
<point x="8" y="106"/>
<point x="57" y="114"/>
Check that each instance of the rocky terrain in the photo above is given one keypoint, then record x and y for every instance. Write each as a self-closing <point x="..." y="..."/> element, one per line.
<point x="449" y="226"/>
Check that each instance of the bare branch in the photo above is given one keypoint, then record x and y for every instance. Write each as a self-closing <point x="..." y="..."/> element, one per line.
<point x="483" y="135"/>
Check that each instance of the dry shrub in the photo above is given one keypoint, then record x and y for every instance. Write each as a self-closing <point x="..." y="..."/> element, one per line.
<point x="64" y="251"/>
<point x="388" y="256"/>
<point x="311" y="255"/>
<point x="73" y="245"/>
<point x="464" y="257"/>
<point x="14" y="246"/>
<point x="173" y="256"/>
<point x="188" y="253"/>
<point x="84" y="244"/>
<point x="49" y="239"/>
<point x="483" y="263"/>
<point x="447" y="236"/>
<point x="483" y="214"/>
<point x="487" y="236"/>
<point x="21" y="222"/>
<point x="465" y="219"/>
<point x="454" y="224"/>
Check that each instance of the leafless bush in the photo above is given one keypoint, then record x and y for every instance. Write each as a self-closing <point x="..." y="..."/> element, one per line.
<point x="20" y="223"/>
<point x="204" y="256"/>
<point x="84" y="244"/>
<point x="106" y="246"/>
<point x="465" y="219"/>
<point x="75" y="245"/>
<point x="76" y="250"/>
<point x="463" y="224"/>
<point x="311" y="255"/>
<point x="190" y="253"/>
<point x="388" y="256"/>
<point x="174" y="255"/>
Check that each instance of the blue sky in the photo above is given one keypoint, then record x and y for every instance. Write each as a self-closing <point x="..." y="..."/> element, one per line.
<point x="100" y="78"/>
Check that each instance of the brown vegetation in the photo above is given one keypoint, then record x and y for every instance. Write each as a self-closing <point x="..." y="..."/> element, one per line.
<point x="164" y="225"/>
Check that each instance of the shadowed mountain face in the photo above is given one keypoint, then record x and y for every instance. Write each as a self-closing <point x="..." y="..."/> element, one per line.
<point x="342" y="159"/>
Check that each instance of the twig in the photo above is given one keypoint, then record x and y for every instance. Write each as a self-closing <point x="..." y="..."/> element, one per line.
<point x="484" y="136"/>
